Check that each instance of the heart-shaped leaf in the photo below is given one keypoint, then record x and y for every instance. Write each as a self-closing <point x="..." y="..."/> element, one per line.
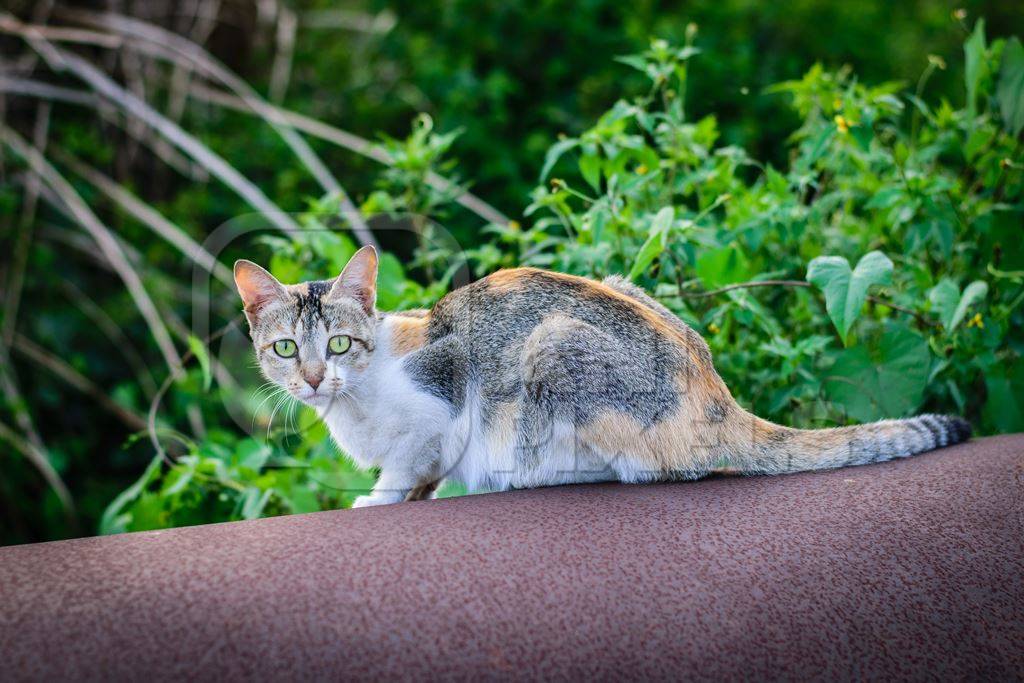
<point x="845" y="290"/>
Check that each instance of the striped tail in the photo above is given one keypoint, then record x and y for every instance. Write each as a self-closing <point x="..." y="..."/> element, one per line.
<point x="771" y="449"/>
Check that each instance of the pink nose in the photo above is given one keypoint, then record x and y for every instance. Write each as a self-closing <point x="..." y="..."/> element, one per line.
<point x="314" y="381"/>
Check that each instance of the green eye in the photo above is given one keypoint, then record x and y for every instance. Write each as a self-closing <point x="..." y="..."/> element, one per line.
<point x="339" y="344"/>
<point x="284" y="348"/>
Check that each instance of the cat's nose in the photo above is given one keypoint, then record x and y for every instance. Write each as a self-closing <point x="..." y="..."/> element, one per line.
<point x="313" y="380"/>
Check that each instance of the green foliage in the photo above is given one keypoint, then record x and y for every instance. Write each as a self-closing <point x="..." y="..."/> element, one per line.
<point x="656" y="197"/>
<point x="846" y="291"/>
<point x="226" y="477"/>
<point x="1010" y="91"/>
<point x="924" y="196"/>
<point x="849" y="247"/>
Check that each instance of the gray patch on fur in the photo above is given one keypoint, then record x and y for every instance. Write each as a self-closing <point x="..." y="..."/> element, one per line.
<point x="613" y="358"/>
<point x="441" y="368"/>
<point x="716" y="411"/>
<point x="693" y="340"/>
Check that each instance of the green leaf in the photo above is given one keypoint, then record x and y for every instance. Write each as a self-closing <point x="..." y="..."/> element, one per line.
<point x="883" y="382"/>
<point x="202" y="355"/>
<point x="724" y="266"/>
<point x="635" y="61"/>
<point x="253" y="501"/>
<point x="113" y="520"/>
<point x="590" y="167"/>
<point x="252" y="454"/>
<point x="1004" y="410"/>
<point x="976" y="291"/>
<point x="1010" y="88"/>
<point x="846" y="291"/>
<point x="944" y="297"/>
<point x="885" y="198"/>
<point x="657" y="238"/>
<point x="951" y="306"/>
<point x="390" y="281"/>
<point x="974" y="69"/>
<point x="555" y="153"/>
<point x="285" y="268"/>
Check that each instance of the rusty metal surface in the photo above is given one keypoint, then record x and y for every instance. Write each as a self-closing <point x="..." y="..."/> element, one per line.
<point x="911" y="569"/>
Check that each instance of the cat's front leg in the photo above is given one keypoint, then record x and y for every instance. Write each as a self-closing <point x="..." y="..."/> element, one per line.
<point x="395" y="486"/>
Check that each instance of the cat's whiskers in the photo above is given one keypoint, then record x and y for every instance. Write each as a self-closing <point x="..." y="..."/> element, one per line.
<point x="277" y="406"/>
<point x="274" y="391"/>
<point x="290" y="426"/>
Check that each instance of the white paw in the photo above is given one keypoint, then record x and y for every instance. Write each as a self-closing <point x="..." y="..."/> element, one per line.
<point x="374" y="499"/>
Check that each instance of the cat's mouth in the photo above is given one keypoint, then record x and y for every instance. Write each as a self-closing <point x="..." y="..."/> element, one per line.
<point x="319" y="398"/>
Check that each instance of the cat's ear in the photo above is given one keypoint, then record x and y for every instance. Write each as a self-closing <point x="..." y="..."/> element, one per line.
<point x="257" y="287"/>
<point x="359" y="278"/>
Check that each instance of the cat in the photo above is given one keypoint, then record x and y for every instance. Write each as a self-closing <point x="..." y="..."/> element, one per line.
<point x="530" y="378"/>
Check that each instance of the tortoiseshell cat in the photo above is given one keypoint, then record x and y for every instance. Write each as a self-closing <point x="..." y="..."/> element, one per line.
<point x="530" y="378"/>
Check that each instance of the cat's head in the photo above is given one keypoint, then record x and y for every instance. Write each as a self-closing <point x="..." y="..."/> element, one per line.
<point x="313" y="339"/>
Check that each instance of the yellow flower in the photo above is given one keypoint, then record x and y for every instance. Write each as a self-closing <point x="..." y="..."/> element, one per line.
<point x="837" y="104"/>
<point x="513" y="225"/>
<point x="960" y="14"/>
<point x="713" y="328"/>
<point x="842" y="124"/>
<point x="976" y="321"/>
<point x="641" y="169"/>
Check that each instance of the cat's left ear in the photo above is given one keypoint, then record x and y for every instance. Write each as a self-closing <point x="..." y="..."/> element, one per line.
<point x="359" y="278"/>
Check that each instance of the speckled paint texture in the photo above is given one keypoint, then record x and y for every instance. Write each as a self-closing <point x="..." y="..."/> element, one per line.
<point x="906" y="570"/>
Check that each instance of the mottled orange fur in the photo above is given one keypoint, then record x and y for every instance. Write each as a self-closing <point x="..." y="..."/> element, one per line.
<point x="408" y="334"/>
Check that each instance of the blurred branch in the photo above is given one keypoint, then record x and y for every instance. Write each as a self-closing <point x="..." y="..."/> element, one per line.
<point x="114" y="334"/>
<point x="742" y="285"/>
<point x="363" y="22"/>
<point x="280" y="72"/>
<point x="84" y="245"/>
<point x="218" y="369"/>
<point x="12" y="300"/>
<point x="64" y="34"/>
<point x="204" y="21"/>
<point x="39" y="459"/>
<point x="151" y="218"/>
<point x="160" y="42"/>
<point x="163" y="150"/>
<point x="795" y="283"/>
<point x="273" y="115"/>
<point x="351" y="142"/>
<point x="26" y="86"/>
<point x="103" y="237"/>
<point x="61" y="369"/>
<point x="154" y="405"/>
<point x="61" y="60"/>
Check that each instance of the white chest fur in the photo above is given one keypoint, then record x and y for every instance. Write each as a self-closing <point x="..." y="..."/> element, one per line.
<point x="388" y="415"/>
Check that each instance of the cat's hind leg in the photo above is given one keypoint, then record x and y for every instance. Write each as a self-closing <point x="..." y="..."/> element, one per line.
<point x="623" y="394"/>
<point x="573" y="373"/>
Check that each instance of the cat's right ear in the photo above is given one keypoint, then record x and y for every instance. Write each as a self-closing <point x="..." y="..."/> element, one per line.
<point x="257" y="287"/>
